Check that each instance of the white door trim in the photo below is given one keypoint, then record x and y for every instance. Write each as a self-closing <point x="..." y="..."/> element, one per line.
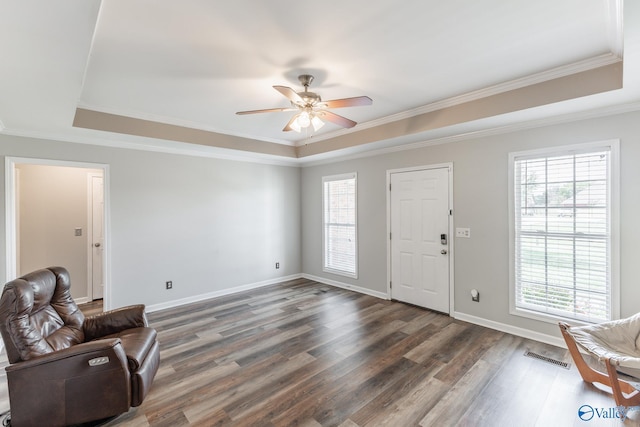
<point x="11" y="266"/>
<point x="90" y="236"/>
<point x="448" y="166"/>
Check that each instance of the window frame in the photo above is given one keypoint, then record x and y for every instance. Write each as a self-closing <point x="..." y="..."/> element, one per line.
<point x="613" y="146"/>
<point x="325" y="267"/>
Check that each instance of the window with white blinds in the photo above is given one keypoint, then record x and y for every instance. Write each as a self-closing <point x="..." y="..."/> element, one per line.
<point x="561" y="233"/>
<point x="339" y="224"/>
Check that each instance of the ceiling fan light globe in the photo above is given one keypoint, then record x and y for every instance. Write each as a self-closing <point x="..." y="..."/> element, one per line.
<point x="316" y="123"/>
<point x="295" y="126"/>
<point x="303" y="120"/>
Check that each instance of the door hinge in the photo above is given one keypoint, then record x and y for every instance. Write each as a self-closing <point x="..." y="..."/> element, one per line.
<point x="390" y="285"/>
<point x="389" y="236"/>
<point x="450" y="211"/>
<point x="389" y="186"/>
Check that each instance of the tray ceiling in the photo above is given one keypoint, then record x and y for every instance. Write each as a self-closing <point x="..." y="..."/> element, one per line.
<point x="172" y="74"/>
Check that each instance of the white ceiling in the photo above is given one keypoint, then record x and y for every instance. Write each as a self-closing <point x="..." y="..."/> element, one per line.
<point x="194" y="63"/>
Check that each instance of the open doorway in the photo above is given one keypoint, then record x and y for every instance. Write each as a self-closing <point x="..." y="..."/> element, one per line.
<point x="56" y="215"/>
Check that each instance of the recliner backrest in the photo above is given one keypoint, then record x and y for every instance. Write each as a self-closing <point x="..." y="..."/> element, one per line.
<point x="38" y="315"/>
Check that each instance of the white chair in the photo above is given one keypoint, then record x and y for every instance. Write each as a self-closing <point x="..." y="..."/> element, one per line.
<point x="617" y="344"/>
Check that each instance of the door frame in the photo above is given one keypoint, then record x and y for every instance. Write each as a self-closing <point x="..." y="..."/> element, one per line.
<point x="90" y="236"/>
<point x="449" y="167"/>
<point x="11" y="220"/>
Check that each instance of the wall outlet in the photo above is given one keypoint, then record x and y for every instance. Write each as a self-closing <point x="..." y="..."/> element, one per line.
<point x="463" y="232"/>
<point x="169" y="284"/>
<point x="277" y="265"/>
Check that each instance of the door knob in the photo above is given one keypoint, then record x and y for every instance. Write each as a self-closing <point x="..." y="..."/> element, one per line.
<point x="443" y="252"/>
<point x="97" y="245"/>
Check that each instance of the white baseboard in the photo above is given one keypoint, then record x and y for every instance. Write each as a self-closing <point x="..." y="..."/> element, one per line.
<point x="82" y="300"/>
<point x="220" y="293"/>
<point x="502" y="327"/>
<point x="513" y="330"/>
<point x="337" y="284"/>
<point x="201" y="297"/>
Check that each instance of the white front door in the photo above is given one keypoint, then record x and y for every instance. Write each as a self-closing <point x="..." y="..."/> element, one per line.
<point x="97" y="236"/>
<point x="419" y="209"/>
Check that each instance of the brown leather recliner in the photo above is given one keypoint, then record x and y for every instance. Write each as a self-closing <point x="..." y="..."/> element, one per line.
<point x="67" y="369"/>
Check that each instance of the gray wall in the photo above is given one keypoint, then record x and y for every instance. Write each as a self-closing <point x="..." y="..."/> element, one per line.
<point x="480" y="203"/>
<point x="206" y="224"/>
<point x="211" y="225"/>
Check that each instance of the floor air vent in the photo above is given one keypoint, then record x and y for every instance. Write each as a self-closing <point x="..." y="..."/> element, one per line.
<point x="529" y="353"/>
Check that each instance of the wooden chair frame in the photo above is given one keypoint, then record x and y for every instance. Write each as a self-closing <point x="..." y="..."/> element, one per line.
<point x="623" y="392"/>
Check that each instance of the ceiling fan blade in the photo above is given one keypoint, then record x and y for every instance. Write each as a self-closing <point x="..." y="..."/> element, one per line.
<point x="268" y="110"/>
<point x="338" y="120"/>
<point x="291" y="94"/>
<point x="348" y="102"/>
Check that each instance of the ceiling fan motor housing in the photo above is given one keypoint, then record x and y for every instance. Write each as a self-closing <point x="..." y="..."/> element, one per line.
<point x="309" y="98"/>
<point x="305" y="79"/>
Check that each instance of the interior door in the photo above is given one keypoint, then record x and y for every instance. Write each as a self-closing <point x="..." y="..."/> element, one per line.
<point x="420" y="238"/>
<point x="97" y="236"/>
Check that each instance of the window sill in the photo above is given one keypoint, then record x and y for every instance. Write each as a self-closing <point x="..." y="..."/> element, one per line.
<point x="549" y="318"/>
<point x="341" y="273"/>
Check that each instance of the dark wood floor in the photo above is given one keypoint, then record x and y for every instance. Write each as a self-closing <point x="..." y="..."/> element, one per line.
<point x="91" y="308"/>
<point x="306" y="354"/>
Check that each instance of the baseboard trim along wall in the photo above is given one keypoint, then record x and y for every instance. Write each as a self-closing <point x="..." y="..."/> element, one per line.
<point x="82" y="300"/>
<point x="513" y="330"/>
<point x="220" y="293"/>
<point x="502" y="327"/>
<point x="250" y="286"/>
<point x="337" y="284"/>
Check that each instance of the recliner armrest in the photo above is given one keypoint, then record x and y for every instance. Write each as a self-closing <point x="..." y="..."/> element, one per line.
<point x="81" y="352"/>
<point x="114" y="321"/>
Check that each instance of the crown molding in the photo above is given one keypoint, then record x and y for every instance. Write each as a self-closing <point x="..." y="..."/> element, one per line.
<point x="490" y="131"/>
<point x="616" y="26"/>
<point x="158" y="146"/>
<point x="548" y="75"/>
<point x="554" y="73"/>
<point x="170" y="147"/>
<point x="175" y="122"/>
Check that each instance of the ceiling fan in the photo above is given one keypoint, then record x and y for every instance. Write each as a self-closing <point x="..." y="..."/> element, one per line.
<point x="311" y="109"/>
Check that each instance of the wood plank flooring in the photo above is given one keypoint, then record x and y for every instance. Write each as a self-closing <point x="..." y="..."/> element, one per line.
<point x="306" y="354"/>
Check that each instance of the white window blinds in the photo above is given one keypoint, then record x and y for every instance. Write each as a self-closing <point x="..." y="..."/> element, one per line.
<point x="339" y="224"/>
<point x="562" y="231"/>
